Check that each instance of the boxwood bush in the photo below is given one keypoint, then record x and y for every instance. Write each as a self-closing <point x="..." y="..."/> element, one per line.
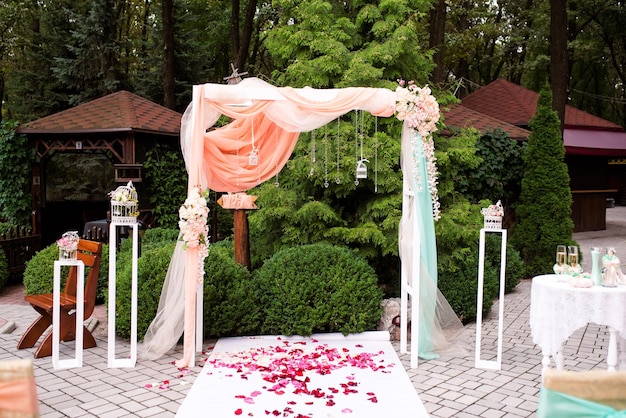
<point x="231" y="302"/>
<point x="458" y="281"/>
<point x="39" y="272"/>
<point x="228" y="299"/>
<point x="151" y="270"/>
<point x="317" y="288"/>
<point x="514" y="266"/>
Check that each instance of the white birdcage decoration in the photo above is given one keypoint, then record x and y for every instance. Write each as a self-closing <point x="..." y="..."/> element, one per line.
<point x="361" y="169"/>
<point x="124" y="204"/>
<point x="68" y="245"/>
<point x="493" y="217"/>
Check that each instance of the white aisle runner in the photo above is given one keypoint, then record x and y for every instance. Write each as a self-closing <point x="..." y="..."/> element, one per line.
<point x="325" y="375"/>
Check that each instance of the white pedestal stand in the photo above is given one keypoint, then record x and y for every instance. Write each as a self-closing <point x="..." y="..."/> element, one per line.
<point x="410" y="287"/>
<point x="132" y="359"/>
<point x="479" y="363"/>
<point x="77" y="361"/>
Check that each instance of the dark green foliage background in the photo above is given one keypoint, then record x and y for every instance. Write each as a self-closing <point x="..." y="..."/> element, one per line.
<point x="15" y="165"/>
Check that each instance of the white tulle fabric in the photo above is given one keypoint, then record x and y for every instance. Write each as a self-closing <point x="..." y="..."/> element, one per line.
<point x="167" y="326"/>
<point x="218" y="159"/>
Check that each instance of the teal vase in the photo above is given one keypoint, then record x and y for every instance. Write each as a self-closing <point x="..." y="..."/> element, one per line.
<point x="596" y="276"/>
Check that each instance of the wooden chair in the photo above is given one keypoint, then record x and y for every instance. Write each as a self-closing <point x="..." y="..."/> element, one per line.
<point x="90" y="253"/>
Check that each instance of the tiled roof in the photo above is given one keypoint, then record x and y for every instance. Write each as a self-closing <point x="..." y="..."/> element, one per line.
<point x="120" y="111"/>
<point x="459" y="116"/>
<point x="516" y="105"/>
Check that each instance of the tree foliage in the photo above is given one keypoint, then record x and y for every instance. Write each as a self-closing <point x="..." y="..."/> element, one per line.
<point x="544" y="209"/>
<point x="15" y="164"/>
<point x="167" y="179"/>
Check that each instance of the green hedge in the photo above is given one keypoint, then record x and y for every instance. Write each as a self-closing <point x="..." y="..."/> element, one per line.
<point x="227" y="295"/>
<point x="458" y="281"/>
<point x="317" y="288"/>
<point x="38" y="275"/>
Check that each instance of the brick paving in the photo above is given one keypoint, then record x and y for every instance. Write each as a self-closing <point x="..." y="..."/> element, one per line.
<point x="448" y="387"/>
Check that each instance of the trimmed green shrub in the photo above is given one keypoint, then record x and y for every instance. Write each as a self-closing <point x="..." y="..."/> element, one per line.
<point x="39" y="272"/>
<point x="458" y="281"/>
<point x="231" y="302"/>
<point x="229" y="307"/>
<point x="157" y="236"/>
<point x="38" y="275"/>
<point x="317" y="288"/>
<point x="545" y="205"/>
<point x="514" y="266"/>
<point x="151" y="270"/>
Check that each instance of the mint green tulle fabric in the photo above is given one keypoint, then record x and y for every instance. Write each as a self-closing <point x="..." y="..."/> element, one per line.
<point x="553" y="404"/>
<point x="428" y="256"/>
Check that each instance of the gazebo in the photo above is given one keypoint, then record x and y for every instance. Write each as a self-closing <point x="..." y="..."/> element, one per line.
<point x="83" y="151"/>
<point x="595" y="148"/>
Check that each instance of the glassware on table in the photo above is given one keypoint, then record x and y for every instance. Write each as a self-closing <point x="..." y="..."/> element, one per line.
<point x="573" y="268"/>
<point x="572" y="255"/>
<point x="596" y="275"/>
<point x="561" y="256"/>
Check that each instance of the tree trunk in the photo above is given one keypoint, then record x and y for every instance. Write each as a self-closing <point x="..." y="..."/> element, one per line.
<point x="246" y="35"/>
<point x="234" y="30"/>
<point x="169" y="79"/>
<point x="559" y="71"/>
<point x="436" y="41"/>
<point x="242" y="239"/>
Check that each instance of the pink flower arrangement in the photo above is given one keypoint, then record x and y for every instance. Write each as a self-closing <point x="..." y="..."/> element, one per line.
<point x="288" y="368"/>
<point x="417" y="107"/>
<point x="68" y="241"/>
<point x="419" y="110"/>
<point x="193" y="225"/>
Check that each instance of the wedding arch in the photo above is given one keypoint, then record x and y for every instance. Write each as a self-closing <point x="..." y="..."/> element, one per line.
<point x="267" y="121"/>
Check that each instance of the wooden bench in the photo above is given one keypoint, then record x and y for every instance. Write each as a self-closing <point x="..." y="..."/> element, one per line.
<point x="90" y="253"/>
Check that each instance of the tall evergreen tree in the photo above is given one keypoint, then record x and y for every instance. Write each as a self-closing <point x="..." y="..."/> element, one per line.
<point x="544" y="209"/>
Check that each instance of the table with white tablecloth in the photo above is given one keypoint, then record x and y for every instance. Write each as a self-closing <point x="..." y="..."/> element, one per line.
<point x="558" y="309"/>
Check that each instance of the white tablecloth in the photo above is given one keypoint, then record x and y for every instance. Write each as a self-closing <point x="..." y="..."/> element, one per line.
<point x="557" y="309"/>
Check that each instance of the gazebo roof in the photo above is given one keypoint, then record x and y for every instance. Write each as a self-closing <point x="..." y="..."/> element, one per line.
<point x="116" y="112"/>
<point x="516" y="105"/>
<point x="459" y="116"/>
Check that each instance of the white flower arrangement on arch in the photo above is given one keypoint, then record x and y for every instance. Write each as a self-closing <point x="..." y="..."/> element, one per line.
<point x="418" y="108"/>
<point x="194" y="228"/>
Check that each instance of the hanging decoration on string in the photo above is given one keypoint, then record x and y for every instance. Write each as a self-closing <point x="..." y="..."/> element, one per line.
<point x="253" y="159"/>
<point x="276" y="183"/>
<point x="337" y="177"/>
<point x="325" y="156"/>
<point x="361" y="168"/>
<point x="376" y="155"/>
<point x="312" y="172"/>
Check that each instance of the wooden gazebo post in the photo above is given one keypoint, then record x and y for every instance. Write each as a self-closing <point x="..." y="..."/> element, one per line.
<point x="240" y="203"/>
<point x="240" y="214"/>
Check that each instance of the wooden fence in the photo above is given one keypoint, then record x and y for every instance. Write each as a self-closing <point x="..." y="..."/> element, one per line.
<point x="19" y="245"/>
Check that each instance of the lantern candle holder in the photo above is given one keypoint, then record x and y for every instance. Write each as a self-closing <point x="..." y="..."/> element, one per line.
<point x="493" y="217"/>
<point x="124" y="204"/>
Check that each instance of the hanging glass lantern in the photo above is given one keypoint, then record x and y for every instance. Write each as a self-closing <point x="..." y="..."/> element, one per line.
<point x="253" y="159"/>
<point x="361" y="169"/>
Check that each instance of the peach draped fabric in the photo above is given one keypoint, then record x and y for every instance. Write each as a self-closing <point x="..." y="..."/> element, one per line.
<point x="273" y="118"/>
<point x="18" y="391"/>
